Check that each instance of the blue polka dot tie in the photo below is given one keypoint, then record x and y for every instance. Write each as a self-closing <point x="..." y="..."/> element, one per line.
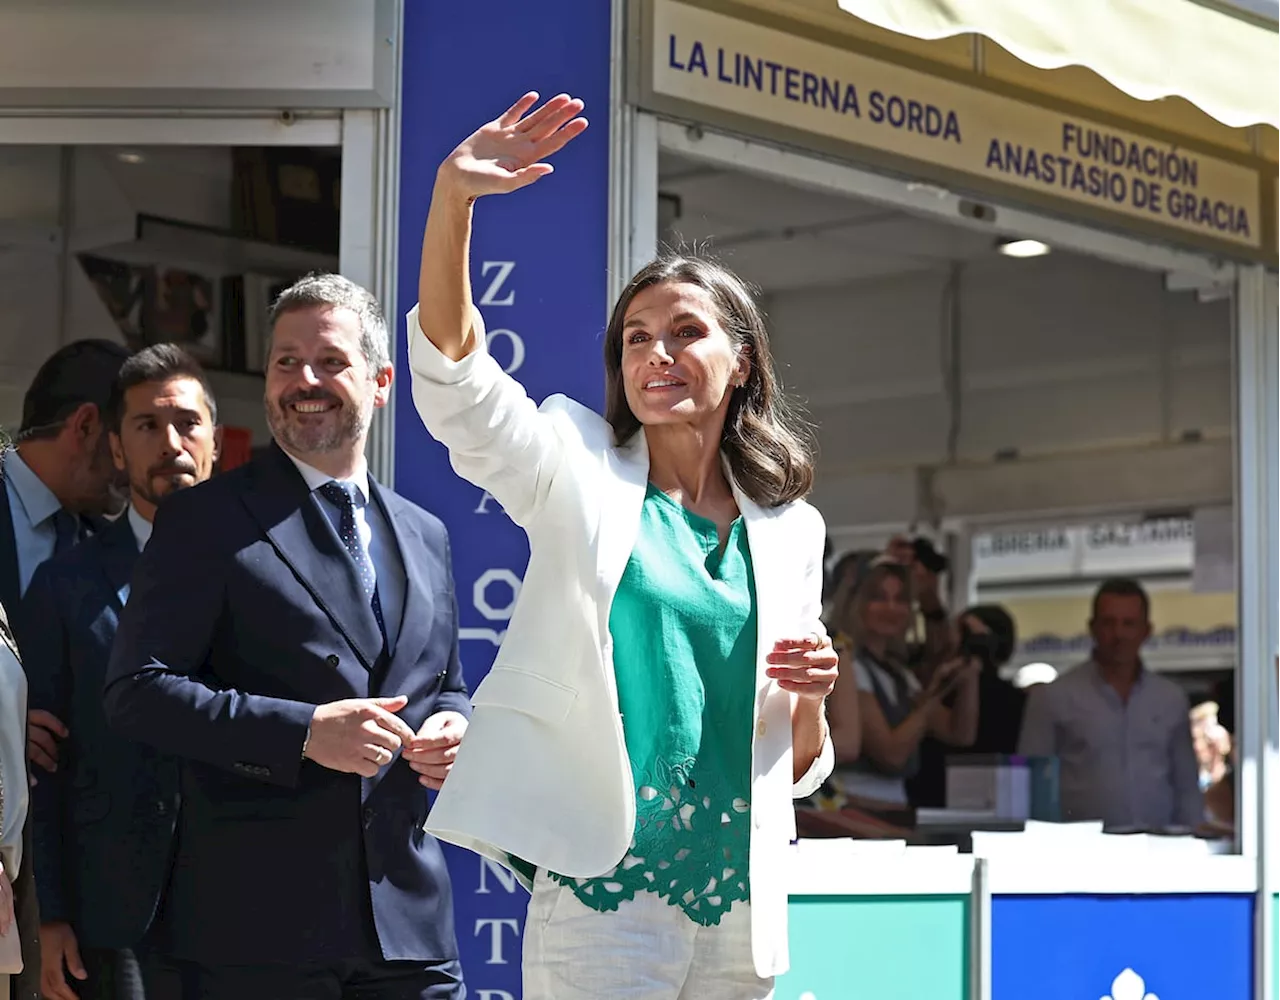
<point x="346" y="497"/>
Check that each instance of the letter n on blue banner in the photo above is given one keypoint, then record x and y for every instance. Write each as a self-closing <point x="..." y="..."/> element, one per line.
<point x="538" y="274"/>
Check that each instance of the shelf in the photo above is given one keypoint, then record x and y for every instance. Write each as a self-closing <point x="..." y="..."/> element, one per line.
<point x="211" y="252"/>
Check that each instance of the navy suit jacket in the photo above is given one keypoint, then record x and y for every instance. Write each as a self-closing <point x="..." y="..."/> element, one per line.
<point x="104" y="821"/>
<point x="246" y="613"/>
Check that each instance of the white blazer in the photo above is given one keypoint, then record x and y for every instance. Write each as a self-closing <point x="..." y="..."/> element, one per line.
<point x="543" y="771"/>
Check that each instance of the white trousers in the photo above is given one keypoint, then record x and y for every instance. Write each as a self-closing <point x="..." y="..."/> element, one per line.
<point x="647" y="949"/>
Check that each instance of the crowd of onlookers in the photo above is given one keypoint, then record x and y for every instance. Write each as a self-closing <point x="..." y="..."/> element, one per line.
<point x="918" y="685"/>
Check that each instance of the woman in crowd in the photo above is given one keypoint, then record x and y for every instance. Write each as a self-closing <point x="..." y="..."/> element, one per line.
<point x="896" y="711"/>
<point x="659" y="698"/>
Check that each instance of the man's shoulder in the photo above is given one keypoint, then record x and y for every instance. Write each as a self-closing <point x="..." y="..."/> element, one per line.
<point x="1065" y="687"/>
<point x="213" y="495"/>
<point x="1165" y="687"/>
<point x="77" y="562"/>
<point x="398" y="505"/>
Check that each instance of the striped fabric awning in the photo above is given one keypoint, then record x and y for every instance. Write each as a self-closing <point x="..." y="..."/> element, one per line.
<point x="1223" y="56"/>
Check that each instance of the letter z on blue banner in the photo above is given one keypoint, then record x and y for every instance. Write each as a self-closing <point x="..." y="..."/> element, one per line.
<point x="539" y="277"/>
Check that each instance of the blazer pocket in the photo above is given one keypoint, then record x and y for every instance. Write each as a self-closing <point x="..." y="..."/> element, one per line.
<point x="90" y="808"/>
<point x="524" y="691"/>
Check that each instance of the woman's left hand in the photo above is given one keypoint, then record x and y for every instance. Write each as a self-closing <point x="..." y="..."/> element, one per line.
<point x="807" y="667"/>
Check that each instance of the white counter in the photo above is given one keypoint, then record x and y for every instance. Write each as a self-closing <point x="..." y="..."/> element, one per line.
<point x="890" y="868"/>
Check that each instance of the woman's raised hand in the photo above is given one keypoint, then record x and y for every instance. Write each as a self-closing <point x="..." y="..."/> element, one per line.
<point x="508" y="152"/>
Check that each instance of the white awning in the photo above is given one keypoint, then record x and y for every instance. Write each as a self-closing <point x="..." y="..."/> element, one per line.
<point x="1216" y="54"/>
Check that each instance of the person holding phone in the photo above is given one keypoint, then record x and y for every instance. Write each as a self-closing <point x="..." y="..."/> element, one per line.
<point x="659" y="699"/>
<point x="987" y="633"/>
<point x="896" y="710"/>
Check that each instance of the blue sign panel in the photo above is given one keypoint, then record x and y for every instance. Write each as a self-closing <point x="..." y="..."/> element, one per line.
<point x="539" y="278"/>
<point x="1122" y="947"/>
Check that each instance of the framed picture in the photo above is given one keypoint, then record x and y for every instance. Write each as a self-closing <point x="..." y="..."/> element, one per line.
<point x="159" y="304"/>
<point x="122" y="289"/>
<point x="182" y="307"/>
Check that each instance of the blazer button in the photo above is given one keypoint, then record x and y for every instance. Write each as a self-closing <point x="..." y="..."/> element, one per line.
<point x="368" y="817"/>
<point x="761" y="728"/>
<point x="332" y="659"/>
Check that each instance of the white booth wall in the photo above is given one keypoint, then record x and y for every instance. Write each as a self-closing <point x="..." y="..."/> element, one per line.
<point x="947" y="381"/>
<point x="174" y="74"/>
<point x="45" y="298"/>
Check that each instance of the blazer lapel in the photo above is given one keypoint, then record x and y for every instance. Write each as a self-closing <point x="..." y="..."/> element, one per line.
<point x="417" y="609"/>
<point x="305" y="540"/>
<point x="119" y="553"/>
<point x="625" y="480"/>
<point x="621" y="500"/>
<point x="768" y="559"/>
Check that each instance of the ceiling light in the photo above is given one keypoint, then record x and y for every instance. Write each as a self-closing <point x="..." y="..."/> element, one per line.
<point x="1023" y="248"/>
<point x="130" y="157"/>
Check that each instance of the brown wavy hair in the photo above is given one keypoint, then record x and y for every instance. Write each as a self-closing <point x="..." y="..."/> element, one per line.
<point x="768" y="444"/>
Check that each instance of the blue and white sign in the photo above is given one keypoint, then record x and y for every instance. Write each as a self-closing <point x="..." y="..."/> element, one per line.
<point x="539" y="277"/>
<point x="1188" y="947"/>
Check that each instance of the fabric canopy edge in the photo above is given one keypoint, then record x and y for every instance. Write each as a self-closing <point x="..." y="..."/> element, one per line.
<point x="933" y="20"/>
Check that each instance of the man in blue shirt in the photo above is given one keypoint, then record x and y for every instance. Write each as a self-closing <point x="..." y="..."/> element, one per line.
<point x="1122" y="734"/>
<point x="56" y="483"/>
<point x="59" y="479"/>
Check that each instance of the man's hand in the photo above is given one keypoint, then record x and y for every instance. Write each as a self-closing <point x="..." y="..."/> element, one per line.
<point x="44" y="730"/>
<point x="59" y="947"/>
<point x="358" y="735"/>
<point x="432" y="751"/>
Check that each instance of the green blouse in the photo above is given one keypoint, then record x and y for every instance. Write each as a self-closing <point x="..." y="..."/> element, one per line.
<point x="683" y="624"/>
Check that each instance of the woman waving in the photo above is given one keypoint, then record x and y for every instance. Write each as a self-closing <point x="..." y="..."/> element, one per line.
<point x="659" y="698"/>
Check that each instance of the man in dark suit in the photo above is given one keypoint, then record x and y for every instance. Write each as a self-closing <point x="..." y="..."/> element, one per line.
<point x="58" y="477"/>
<point x="291" y="629"/>
<point x="55" y="484"/>
<point x="58" y="481"/>
<point x="104" y="819"/>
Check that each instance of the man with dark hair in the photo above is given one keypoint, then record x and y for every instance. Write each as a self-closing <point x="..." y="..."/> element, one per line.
<point x="1123" y="587"/>
<point x="104" y="819"/>
<point x="58" y="476"/>
<point x="292" y="636"/>
<point x="57" y="481"/>
<point x="1121" y="733"/>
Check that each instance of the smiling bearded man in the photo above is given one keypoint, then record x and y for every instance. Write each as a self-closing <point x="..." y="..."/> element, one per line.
<point x="317" y="641"/>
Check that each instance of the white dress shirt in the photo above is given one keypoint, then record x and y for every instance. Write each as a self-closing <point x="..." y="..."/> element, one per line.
<point x="377" y="538"/>
<point x="141" y="527"/>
